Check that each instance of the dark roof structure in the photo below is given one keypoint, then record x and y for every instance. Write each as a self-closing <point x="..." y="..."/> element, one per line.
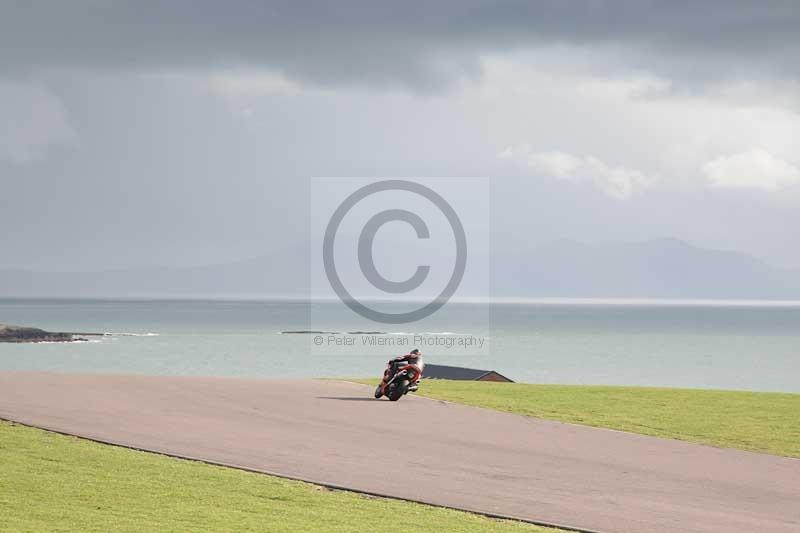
<point x="462" y="374"/>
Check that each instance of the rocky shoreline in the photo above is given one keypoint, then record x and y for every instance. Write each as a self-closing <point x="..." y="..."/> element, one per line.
<point x="26" y="334"/>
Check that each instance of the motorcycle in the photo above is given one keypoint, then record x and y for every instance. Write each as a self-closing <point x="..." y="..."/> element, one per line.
<point x="403" y="380"/>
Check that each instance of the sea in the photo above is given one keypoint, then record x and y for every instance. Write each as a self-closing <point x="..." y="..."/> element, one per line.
<point x="721" y="345"/>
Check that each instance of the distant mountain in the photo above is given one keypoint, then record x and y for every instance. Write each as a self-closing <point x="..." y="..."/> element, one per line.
<point x="661" y="268"/>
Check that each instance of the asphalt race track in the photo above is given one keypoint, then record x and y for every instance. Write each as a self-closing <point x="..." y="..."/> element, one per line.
<point x="334" y="433"/>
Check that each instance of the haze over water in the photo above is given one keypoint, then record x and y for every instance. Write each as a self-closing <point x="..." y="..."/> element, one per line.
<point x="754" y="347"/>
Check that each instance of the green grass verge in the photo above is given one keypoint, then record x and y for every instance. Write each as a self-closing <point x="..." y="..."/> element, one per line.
<point x="51" y="482"/>
<point x="756" y="421"/>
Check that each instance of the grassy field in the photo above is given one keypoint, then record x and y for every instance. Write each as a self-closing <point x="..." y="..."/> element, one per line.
<point x="756" y="421"/>
<point x="51" y="482"/>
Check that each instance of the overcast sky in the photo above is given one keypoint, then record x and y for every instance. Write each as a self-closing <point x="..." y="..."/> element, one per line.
<point x="181" y="133"/>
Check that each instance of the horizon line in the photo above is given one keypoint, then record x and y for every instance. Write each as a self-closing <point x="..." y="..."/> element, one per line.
<point x="501" y="300"/>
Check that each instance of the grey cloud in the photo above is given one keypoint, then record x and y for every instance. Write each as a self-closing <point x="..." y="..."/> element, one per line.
<point x="166" y="171"/>
<point x="33" y="121"/>
<point x="425" y="45"/>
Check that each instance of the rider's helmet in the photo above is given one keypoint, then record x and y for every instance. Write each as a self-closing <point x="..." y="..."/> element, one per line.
<point x="415" y="351"/>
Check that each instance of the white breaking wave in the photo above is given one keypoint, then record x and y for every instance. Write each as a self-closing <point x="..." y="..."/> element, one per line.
<point x="406" y="333"/>
<point x="429" y="333"/>
<point x="148" y="334"/>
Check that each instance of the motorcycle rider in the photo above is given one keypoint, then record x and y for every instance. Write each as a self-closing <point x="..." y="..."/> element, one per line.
<point x="414" y="357"/>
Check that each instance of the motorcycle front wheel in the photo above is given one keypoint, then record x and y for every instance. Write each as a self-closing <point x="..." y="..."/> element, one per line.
<point x="398" y="390"/>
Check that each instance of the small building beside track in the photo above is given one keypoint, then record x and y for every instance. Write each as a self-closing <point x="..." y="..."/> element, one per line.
<point x="459" y="373"/>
